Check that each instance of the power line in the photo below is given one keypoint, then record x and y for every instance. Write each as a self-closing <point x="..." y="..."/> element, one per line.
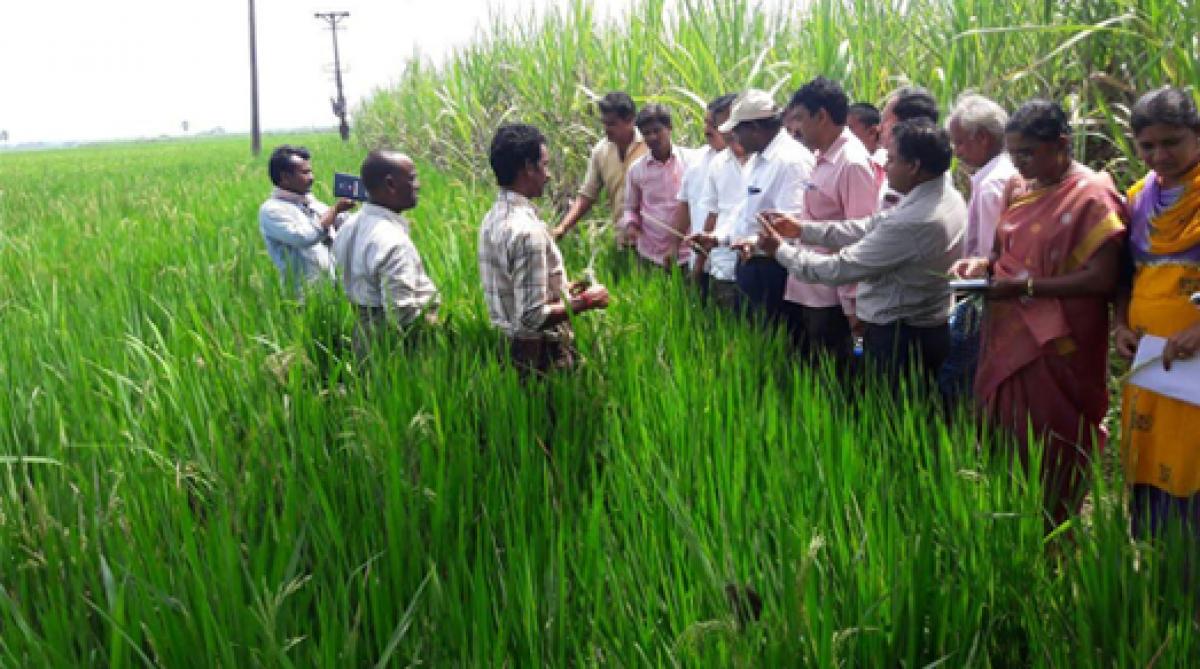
<point x="339" y="103"/>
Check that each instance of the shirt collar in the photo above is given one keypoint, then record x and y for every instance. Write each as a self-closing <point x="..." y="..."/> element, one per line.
<point x="768" y="153"/>
<point x="988" y="168"/>
<point x="305" y="200"/>
<point x="637" y="139"/>
<point x="834" y="152"/>
<point x="377" y="211"/>
<point x="927" y="189"/>
<point x="651" y="160"/>
<point x="513" y="198"/>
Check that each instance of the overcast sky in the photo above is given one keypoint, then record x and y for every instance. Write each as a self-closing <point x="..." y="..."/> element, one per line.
<point x="86" y="70"/>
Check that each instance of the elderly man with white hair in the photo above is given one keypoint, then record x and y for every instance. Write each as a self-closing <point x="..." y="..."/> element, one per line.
<point x="976" y="127"/>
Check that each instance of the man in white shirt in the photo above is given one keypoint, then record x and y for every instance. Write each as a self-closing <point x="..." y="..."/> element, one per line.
<point x="776" y="178"/>
<point x="691" y="214"/>
<point x="382" y="272"/>
<point x="296" y="227"/>
<point x="724" y="197"/>
<point x="976" y="127"/>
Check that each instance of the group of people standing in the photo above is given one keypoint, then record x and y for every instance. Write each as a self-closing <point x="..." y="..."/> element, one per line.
<point x="838" y="222"/>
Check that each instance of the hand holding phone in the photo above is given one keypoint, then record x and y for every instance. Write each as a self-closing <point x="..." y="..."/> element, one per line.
<point x="348" y="186"/>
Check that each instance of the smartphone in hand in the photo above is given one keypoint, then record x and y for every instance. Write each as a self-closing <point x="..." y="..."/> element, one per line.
<point x="348" y="186"/>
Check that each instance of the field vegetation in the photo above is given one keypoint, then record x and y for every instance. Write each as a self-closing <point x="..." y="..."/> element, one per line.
<point x="194" y="471"/>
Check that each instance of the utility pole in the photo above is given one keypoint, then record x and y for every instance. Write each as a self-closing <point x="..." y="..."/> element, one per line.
<point x="339" y="103"/>
<point x="255" y="135"/>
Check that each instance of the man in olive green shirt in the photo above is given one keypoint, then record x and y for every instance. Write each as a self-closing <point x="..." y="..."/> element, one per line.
<point x="609" y="161"/>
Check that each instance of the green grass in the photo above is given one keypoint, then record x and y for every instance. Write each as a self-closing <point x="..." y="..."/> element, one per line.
<point x="193" y="471"/>
<point x="194" y="474"/>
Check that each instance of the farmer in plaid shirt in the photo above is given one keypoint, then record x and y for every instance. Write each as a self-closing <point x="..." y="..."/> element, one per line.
<point x="525" y="286"/>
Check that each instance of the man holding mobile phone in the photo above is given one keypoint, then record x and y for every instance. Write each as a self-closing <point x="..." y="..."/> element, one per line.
<point x="775" y="180"/>
<point x="296" y="227"/>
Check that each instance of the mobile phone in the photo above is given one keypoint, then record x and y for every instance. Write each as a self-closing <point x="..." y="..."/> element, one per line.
<point x="970" y="285"/>
<point x="348" y="186"/>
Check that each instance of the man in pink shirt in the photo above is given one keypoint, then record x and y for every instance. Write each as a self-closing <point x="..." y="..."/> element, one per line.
<point x="863" y="121"/>
<point x="652" y="190"/>
<point x="843" y="186"/>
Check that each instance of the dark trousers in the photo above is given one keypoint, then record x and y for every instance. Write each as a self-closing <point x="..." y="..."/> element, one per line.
<point x="1152" y="510"/>
<point x="895" y="348"/>
<point x="761" y="280"/>
<point x="725" y="294"/>
<point x="539" y="357"/>
<point x="956" y="379"/>
<point x="820" y="330"/>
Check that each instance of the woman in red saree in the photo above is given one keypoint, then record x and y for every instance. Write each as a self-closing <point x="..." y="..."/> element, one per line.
<point x="1054" y="267"/>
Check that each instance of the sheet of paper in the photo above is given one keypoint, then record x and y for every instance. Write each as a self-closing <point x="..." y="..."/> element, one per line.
<point x="1181" y="383"/>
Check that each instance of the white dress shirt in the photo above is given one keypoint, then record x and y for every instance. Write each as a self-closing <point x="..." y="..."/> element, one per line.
<point x="691" y="189"/>
<point x="724" y="195"/>
<point x="776" y="179"/>
<point x="381" y="267"/>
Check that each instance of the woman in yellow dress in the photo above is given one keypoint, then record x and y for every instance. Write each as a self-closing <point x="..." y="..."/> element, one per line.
<point x="1162" y="435"/>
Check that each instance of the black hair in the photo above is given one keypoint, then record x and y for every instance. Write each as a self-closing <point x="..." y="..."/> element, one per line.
<point x="866" y="113"/>
<point x="923" y="141"/>
<point x="618" y="103"/>
<point x="1042" y="120"/>
<point x="514" y="147"/>
<point x="653" y="113"/>
<point x="823" y="93"/>
<point x="913" y="102"/>
<point x="1165" y="106"/>
<point x="281" y="160"/>
<point x="722" y="104"/>
<point x="376" y="167"/>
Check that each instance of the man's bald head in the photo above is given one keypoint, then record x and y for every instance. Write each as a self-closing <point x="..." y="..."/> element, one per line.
<point x="390" y="178"/>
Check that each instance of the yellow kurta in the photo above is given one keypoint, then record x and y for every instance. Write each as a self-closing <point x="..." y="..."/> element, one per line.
<point x="1161" y="434"/>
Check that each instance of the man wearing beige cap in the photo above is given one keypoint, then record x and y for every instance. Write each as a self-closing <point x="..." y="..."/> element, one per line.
<point x="776" y="178"/>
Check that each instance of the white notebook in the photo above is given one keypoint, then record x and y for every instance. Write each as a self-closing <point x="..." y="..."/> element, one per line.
<point x="1181" y="383"/>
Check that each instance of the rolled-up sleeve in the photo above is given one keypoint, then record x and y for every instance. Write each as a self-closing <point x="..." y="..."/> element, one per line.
<point x="591" y="180"/>
<point x="287" y="226"/>
<point x="530" y="276"/>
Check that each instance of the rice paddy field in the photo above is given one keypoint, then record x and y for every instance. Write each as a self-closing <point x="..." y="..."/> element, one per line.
<point x="194" y="470"/>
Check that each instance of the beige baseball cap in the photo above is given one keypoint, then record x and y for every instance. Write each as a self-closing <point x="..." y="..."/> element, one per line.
<point x="752" y="105"/>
